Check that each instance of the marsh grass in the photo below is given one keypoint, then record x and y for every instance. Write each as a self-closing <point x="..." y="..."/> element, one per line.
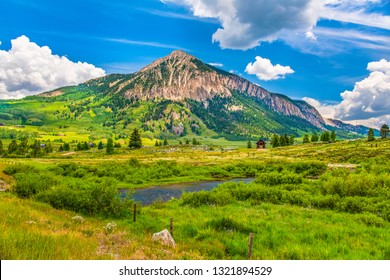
<point x="297" y="208"/>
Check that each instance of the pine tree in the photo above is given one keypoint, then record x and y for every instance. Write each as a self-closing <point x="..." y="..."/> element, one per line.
<point x="314" y="137"/>
<point x="61" y="148"/>
<point x="156" y="144"/>
<point x="306" y="139"/>
<point x="371" y="136"/>
<point x="187" y="142"/>
<point x="194" y="142"/>
<point x="333" y="136"/>
<point x="135" y="140"/>
<point x="325" y="136"/>
<point x="66" y="147"/>
<point x="249" y="145"/>
<point x="384" y="131"/>
<point x="100" y="146"/>
<point x="275" y="141"/>
<point x="291" y="139"/>
<point x="110" y="146"/>
<point x="1" y="148"/>
<point x="165" y="142"/>
<point x="12" y="147"/>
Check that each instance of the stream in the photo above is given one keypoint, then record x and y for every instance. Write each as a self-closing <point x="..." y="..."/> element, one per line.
<point x="147" y="196"/>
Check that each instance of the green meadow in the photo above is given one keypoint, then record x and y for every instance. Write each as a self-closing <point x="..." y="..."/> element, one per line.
<point x="307" y="201"/>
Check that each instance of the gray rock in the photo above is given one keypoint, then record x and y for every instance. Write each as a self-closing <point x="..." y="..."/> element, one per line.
<point x="164" y="237"/>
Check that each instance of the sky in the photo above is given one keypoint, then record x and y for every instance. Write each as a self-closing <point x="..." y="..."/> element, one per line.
<point x="333" y="54"/>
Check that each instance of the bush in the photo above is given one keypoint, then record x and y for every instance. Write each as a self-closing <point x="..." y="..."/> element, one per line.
<point x="28" y="184"/>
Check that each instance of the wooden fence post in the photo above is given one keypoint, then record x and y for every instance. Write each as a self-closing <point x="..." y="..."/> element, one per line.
<point x="171" y="226"/>
<point x="250" y="246"/>
<point x="135" y="212"/>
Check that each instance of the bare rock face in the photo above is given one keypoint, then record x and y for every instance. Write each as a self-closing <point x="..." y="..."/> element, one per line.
<point x="164" y="237"/>
<point x="180" y="76"/>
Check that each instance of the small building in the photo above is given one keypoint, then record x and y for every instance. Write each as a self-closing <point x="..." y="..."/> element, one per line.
<point x="91" y="145"/>
<point x="42" y="145"/>
<point x="260" y="144"/>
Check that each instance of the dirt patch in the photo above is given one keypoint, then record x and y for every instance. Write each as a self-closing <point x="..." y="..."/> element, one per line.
<point x="350" y="166"/>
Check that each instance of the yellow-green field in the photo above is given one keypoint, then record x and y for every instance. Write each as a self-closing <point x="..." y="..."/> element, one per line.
<point x="314" y="201"/>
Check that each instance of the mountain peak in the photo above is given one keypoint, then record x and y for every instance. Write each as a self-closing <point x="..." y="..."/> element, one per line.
<point x="180" y="54"/>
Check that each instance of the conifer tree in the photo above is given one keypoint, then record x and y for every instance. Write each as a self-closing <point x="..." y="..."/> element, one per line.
<point x="333" y="136"/>
<point x="384" y="131"/>
<point x="275" y="141"/>
<point x="135" y="140"/>
<point x="371" y="136"/>
<point x="100" y="146"/>
<point x="249" y="145"/>
<point x="165" y="142"/>
<point x="306" y="139"/>
<point x="314" y="137"/>
<point x="110" y="146"/>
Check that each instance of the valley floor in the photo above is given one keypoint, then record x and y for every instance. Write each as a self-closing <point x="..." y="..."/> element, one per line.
<point x="314" y="201"/>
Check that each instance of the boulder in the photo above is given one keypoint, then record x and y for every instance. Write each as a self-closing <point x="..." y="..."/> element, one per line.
<point x="164" y="237"/>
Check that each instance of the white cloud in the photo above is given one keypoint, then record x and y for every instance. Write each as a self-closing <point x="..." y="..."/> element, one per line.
<point x="28" y="69"/>
<point x="310" y="35"/>
<point x="245" y="24"/>
<point x="216" y="64"/>
<point x="368" y="102"/>
<point x="264" y="70"/>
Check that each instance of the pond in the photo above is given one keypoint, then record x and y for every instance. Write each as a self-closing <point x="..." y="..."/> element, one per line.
<point x="148" y="195"/>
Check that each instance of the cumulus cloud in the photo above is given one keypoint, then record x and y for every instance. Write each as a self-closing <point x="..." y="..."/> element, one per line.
<point x="264" y="70"/>
<point x="28" y="69"/>
<point x="245" y="24"/>
<point x="368" y="102"/>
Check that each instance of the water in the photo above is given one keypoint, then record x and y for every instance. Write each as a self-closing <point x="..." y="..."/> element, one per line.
<point x="148" y="195"/>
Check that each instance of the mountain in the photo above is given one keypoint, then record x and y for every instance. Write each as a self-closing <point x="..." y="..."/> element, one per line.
<point x="178" y="95"/>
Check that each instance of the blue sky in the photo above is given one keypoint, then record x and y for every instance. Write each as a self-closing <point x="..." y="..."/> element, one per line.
<point x="306" y="49"/>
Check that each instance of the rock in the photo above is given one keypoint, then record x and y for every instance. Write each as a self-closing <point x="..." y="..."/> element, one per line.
<point x="164" y="237"/>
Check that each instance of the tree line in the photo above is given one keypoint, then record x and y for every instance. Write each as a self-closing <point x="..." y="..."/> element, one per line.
<point x="24" y="149"/>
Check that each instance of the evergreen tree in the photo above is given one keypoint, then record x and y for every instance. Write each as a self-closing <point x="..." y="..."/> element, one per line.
<point x="79" y="147"/>
<point x="306" y="139"/>
<point x="156" y="144"/>
<point x="61" y="148"/>
<point x="110" y="147"/>
<point x="36" y="149"/>
<point x="48" y="148"/>
<point x="13" y="147"/>
<point x="100" y="146"/>
<point x="325" y="136"/>
<point x="194" y="142"/>
<point x="22" y="147"/>
<point x="187" y="142"/>
<point x="165" y="142"/>
<point x="66" y="147"/>
<point x="291" y="139"/>
<point x="249" y="145"/>
<point x="275" y="141"/>
<point x="314" y="137"/>
<point x="371" y="136"/>
<point x="85" y="146"/>
<point x="333" y="136"/>
<point x="283" y="140"/>
<point x="384" y="131"/>
<point x="135" y="140"/>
